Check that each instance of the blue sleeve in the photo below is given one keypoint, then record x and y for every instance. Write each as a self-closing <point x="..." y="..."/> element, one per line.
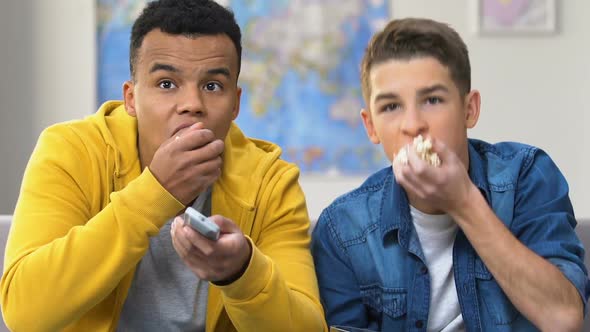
<point x="339" y="290"/>
<point x="544" y="220"/>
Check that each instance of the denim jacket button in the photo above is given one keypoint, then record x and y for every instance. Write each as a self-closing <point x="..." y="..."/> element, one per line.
<point x="419" y="324"/>
<point x="423" y="269"/>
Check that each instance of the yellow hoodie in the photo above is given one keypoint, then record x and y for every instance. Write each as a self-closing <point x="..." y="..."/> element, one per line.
<point x="86" y="211"/>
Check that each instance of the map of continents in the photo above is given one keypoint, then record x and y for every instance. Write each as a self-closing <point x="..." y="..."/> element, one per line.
<point x="300" y="74"/>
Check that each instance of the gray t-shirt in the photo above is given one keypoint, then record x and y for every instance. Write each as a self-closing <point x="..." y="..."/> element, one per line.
<point x="437" y="236"/>
<point x="165" y="294"/>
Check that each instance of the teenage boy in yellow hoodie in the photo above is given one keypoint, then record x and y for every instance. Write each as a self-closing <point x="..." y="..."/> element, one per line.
<point x="95" y="245"/>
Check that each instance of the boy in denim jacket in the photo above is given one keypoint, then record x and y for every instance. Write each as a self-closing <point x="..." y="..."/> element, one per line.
<point x="484" y="241"/>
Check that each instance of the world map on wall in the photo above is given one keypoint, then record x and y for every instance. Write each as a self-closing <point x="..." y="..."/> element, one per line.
<point x="300" y="74"/>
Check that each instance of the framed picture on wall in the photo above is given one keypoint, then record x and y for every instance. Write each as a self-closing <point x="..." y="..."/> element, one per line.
<point x="515" y="16"/>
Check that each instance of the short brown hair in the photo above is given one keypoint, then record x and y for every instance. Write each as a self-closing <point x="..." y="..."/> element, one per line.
<point x="411" y="38"/>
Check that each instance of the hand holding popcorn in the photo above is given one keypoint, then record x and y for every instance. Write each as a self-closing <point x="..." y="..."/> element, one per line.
<point x="443" y="188"/>
<point x="423" y="148"/>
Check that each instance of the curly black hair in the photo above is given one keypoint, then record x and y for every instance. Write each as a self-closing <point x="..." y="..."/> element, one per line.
<point x="184" y="17"/>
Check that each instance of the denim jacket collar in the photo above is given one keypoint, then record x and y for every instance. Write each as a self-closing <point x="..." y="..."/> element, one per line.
<point x="477" y="171"/>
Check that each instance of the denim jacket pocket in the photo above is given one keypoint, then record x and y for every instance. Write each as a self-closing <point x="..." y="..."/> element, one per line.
<point x="382" y="300"/>
<point x="500" y="309"/>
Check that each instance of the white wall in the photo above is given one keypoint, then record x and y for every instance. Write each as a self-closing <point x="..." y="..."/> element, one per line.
<point x="16" y="104"/>
<point x="47" y="65"/>
<point x="64" y="60"/>
<point x="533" y="88"/>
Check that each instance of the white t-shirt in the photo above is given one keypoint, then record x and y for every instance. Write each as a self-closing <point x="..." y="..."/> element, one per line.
<point x="437" y="236"/>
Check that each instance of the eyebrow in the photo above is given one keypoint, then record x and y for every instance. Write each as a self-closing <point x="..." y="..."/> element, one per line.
<point x="219" y="71"/>
<point x="387" y="95"/>
<point x="432" y="89"/>
<point x="421" y="92"/>
<point x="164" y="67"/>
<point x="170" y="68"/>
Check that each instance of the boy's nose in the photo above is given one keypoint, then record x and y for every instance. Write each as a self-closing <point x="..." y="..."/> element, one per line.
<point x="192" y="102"/>
<point x="413" y="123"/>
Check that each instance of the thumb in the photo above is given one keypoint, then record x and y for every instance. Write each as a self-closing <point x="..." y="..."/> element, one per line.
<point x="225" y="224"/>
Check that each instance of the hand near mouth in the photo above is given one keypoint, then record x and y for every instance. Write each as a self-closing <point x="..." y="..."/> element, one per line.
<point x="188" y="162"/>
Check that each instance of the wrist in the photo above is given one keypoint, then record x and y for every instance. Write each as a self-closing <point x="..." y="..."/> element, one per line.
<point x="240" y="272"/>
<point x="461" y="211"/>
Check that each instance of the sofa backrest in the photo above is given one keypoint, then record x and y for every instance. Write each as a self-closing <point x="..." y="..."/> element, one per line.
<point x="4" y="228"/>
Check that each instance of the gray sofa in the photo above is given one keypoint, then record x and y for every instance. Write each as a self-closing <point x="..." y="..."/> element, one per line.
<point x="4" y="228"/>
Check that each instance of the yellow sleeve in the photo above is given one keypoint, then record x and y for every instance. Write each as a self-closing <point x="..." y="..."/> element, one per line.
<point x="64" y="254"/>
<point x="278" y="291"/>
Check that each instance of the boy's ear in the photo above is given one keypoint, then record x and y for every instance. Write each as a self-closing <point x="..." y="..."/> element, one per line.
<point x="236" y="109"/>
<point x="472" y="108"/>
<point x="369" y="126"/>
<point x="129" y="97"/>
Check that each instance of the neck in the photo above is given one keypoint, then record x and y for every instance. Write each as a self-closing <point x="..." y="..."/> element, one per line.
<point x="145" y="157"/>
<point x="422" y="206"/>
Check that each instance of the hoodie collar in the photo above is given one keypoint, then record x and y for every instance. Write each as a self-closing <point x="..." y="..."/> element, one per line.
<point x="246" y="161"/>
<point x="119" y="131"/>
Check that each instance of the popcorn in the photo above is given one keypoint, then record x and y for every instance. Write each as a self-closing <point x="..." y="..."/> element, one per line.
<point x="423" y="148"/>
<point x="402" y="156"/>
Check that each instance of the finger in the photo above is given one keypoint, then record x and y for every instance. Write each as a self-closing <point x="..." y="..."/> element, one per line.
<point x="183" y="131"/>
<point x="198" y="162"/>
<point x="410" y="181"/>
<point x="202" y="245"/>
<point x="415" y="163"/>
<point x="179" y="241"/>
<point x="176" y="137"/>
<point x="443" y="152"/>
<point x="422" y="174"/>
<point x="416" y="171"/>
<point x="194" y="138"/>
<point x="209" y="151"/>
<point x="197" y="174"/>
<point x="190" y="254"/>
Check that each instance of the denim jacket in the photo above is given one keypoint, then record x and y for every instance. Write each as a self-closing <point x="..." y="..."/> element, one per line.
<point x="370" y="265"/>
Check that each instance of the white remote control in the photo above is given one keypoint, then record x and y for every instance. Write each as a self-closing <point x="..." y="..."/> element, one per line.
<point x="201" y="224"/>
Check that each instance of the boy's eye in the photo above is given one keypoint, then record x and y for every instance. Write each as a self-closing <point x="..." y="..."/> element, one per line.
<point x="212" y="86"/>
<point x="391" y="107"/>
<point x="167" y="85"/>
<point x="433" y="100"/>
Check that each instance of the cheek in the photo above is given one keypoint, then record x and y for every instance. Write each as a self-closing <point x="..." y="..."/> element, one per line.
<point x="389" y="144"/>
<point x="220" y="122"/>
<point x="146" y="120"/>
<point x="387" y="129"/>
<point x="220" y="127"/>
<point x="452" y="133"/>
<point x="152" y="123"/>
